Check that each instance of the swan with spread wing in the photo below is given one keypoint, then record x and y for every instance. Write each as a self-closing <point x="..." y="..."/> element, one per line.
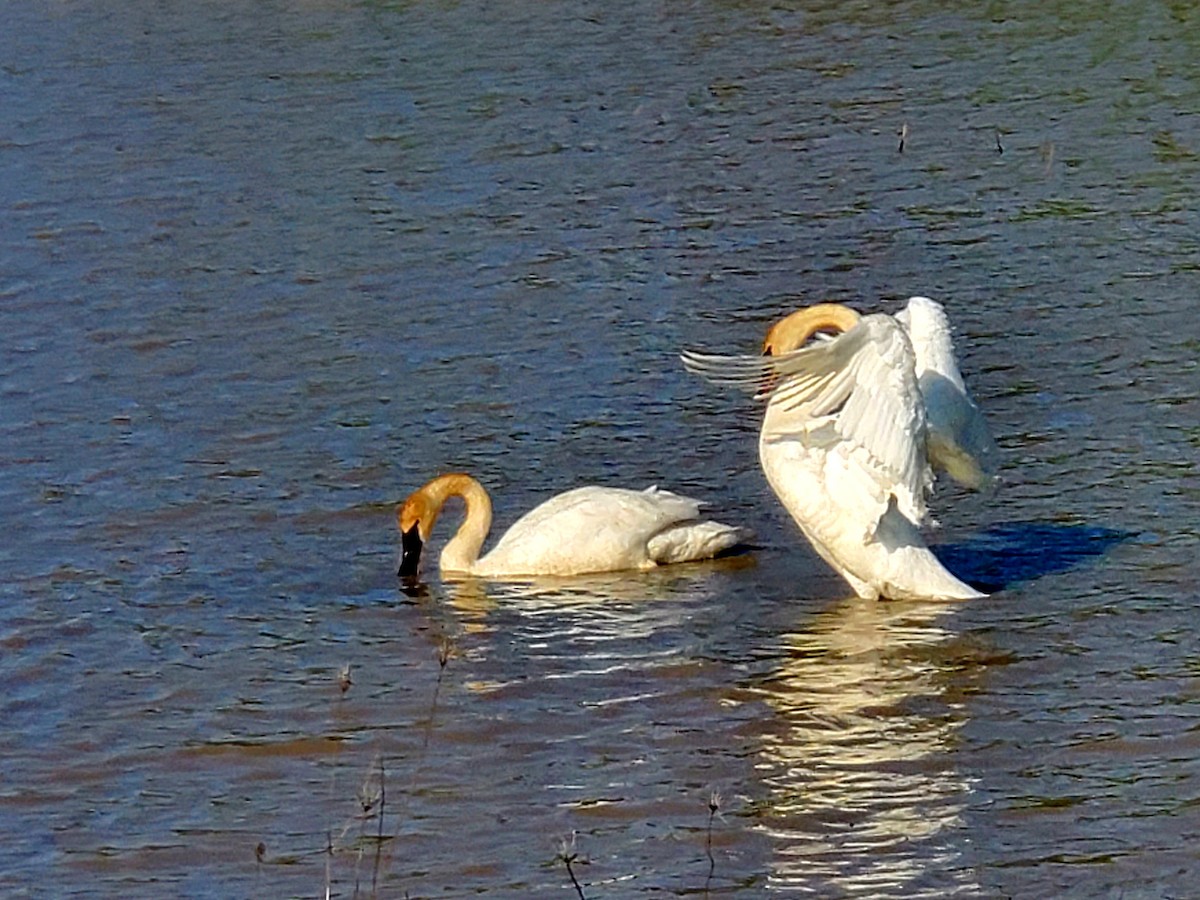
<point x="585" y="530"/>
<point x="851" y="427"/>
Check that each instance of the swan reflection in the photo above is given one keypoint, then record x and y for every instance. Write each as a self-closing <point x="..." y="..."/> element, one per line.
<point x="864" y="799"/>
<point x="577" y="627"/>
<point x="623" y="597"/>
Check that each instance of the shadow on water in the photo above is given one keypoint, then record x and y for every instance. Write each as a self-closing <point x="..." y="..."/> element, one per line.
<point x="1010" y="553"/>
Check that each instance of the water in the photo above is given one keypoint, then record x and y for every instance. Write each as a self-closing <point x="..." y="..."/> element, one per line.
<point x="267" y="267"/>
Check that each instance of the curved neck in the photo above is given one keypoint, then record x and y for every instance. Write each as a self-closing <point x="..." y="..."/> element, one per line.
<point x="462" y="551"/>
<point x="791" y="332"/>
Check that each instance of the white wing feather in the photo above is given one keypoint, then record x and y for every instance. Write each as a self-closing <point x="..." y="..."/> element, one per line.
<point x="960" y="442"/>
<point x="860" y="384"/>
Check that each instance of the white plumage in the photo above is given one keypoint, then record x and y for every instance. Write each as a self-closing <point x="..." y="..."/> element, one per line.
<point x="958" y="441"/>
<point x="846" y="441"/>
<point x="585" y="530"/>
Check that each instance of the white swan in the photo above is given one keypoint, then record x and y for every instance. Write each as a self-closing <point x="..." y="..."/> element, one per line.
<point x="589" y="529"/>
<point x="844" y="445"/>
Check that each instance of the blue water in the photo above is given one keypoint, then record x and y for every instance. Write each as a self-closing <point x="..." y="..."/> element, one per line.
<point x="265" y="268"/>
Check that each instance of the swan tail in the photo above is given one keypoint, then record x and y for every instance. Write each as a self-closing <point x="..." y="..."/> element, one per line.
<point x="904" y="566"/>
<point x="694" y="541"/>
<point x="925" y="578"/>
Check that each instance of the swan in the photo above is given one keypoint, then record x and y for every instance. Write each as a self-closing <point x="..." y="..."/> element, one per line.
<point x="845" y="443"/>
<point x="585" y="530"/>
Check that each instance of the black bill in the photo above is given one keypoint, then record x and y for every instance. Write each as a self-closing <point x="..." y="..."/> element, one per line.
<point x="410" y="552"/>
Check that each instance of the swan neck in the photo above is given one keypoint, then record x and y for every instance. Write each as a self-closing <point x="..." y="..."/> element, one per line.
<point x="461" y="552"/>
<point x="790" y="333"/>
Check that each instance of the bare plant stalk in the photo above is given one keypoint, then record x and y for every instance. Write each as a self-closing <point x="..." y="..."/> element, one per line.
<point x="714" y="806"/>
<point x="357" y="863"/>
<point x="328" y="864"/>
<point x="379" y="831"/>
<point x="574" y="880"/>
<point x="568" y="854"/>
<point x="372" y="801"/>
<point x="367" y="799"/>
<point x="445" y="651"/>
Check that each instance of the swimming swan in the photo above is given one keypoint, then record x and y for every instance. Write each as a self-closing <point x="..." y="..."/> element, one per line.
<point x="845" y="444"/>
<point x="585" y="530"/>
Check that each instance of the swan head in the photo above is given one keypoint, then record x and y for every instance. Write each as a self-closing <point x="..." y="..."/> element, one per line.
<point x="415" y="518"/>
<point x="410" y="553"/>
<point x="417" y="515"/>
<point x="790" y="332"/>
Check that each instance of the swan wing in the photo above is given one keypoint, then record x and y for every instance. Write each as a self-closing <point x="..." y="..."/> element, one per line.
<point x="928" y="329"/>
<point x="960" y="443"/>
<point x="690" y="541"/>
<point x="855" y="397"/>
<point x="745" y="372"/>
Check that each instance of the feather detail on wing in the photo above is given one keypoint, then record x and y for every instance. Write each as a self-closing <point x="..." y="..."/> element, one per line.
<point x="863" y="381"/>
<point x="960" y="443"/>
<point x="860" y="384"/>
<point x="747" y="372"/>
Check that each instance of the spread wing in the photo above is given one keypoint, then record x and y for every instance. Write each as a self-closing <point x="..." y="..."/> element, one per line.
<point x="960" y="442"/>
<point x="863" y="386"/>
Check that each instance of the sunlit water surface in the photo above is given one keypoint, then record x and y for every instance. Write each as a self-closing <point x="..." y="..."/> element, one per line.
<point x="267" y="267"/>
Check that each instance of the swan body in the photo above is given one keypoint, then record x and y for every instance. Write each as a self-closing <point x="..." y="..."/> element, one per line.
<point x="585" y="530"/>
<point x="845" y="445"/>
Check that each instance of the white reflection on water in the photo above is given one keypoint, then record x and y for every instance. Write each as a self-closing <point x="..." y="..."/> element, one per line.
<point x="623" y="621"/>
<point x="863" y="796"/>
<point x="604" y="596"/>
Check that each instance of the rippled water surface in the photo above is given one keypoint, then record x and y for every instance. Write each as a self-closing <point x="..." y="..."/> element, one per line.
<point x="265" y="268"/>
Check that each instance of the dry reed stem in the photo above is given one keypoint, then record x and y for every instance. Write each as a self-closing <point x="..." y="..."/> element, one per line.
<point x="714" y="806"/>
<point x="568" y="854"/>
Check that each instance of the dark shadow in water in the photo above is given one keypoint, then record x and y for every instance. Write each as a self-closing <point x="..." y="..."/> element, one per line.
<point x="413" y="588"/>
<point x="1008" y="554"/>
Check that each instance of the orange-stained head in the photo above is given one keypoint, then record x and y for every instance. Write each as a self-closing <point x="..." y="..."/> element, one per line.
<point x="417" y="515"/>
<point x="790" y="332"/>
<point x="413" y="517"/>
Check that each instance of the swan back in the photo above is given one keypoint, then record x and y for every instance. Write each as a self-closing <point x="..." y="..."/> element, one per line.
<point x="594" y="529"/>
